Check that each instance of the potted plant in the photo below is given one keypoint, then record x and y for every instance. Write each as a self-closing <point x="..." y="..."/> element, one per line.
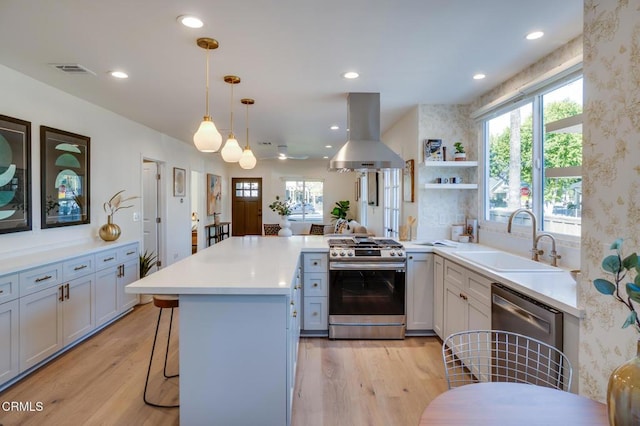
<point x="623" y="391"/>
<point x="460" y="154"/>
<point x="283" y="208"/>
<point x="147" y="261"/>
<point x="341" y="210"/>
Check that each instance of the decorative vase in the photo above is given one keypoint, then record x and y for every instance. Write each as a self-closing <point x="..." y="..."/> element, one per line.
<point x="109" y="231"/>
<point x="285" y="230"/>
<point x="623" y="393"/>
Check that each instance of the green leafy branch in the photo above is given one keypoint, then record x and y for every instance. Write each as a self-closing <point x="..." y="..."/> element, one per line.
<point x="619" y="267"/>
<point x="283" y="208"/>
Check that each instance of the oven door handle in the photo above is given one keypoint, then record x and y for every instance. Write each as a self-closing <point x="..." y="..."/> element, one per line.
<point x="367" y="266"/>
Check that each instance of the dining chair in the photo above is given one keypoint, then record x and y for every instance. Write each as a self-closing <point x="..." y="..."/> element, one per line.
<point x="271" y="229"/>
<point x="501" y="356"/>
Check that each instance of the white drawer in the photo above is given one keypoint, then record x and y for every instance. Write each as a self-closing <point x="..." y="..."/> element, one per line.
<point x="315" y="314"/>
<point x="36" y="279"/>
<point x="479" y="288"/>
<point x="315" y="284"/>
<point x="106" y="259"/>
<point x="78" y="267"/>
<point x="8" y="287"/>
<point x="127" y="253"/>
<point x="315" y="262"/>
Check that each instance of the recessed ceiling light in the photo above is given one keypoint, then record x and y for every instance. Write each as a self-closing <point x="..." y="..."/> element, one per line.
<point x="334" y="127"/>
<point x="119" y="74"/>
<point x="351" y="75"/>
<point x="534" y="35"/>
<point x="328" y="146"/>
<point x="325" y="157"/>
<point x="190" y="21"/>
<point x="479" y="76"/>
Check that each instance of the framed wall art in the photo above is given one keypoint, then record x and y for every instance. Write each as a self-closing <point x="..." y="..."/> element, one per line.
<point x="64" y="174"/>
<point x="179" y="182"/>
<point x="214" y="194"/>
<point x="15" y="175"/>
<point x="407" y="181"/>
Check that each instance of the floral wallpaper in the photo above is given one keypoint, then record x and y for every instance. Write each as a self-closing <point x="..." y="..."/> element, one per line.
<point x="611" y="179"/>
<point x="439" y="209"/>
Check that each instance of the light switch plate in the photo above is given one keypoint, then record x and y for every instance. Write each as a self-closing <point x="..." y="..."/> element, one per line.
<point x="136" y="216"/>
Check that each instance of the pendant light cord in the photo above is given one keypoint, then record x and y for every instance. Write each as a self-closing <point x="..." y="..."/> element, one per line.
<point x="247" y="126"/>
<point x="231" y="108"/>
<point x="207" y="84"/>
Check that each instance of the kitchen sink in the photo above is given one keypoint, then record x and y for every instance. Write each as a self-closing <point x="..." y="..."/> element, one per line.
<point x="504" y="262"/>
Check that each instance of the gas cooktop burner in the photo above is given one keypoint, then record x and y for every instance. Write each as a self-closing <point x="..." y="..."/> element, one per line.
<point x="363" y="248"/>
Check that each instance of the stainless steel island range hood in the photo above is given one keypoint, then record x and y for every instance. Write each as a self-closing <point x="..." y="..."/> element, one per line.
<point x="364" y="150"/>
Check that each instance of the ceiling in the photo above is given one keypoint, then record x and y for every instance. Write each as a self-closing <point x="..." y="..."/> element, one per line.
<point x="290" y="55"/>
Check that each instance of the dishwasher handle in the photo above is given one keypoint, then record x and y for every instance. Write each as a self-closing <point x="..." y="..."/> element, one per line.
<point x="522" y="313"/>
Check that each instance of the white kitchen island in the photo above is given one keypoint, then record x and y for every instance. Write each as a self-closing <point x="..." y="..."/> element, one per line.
<point x="239" y="328"/>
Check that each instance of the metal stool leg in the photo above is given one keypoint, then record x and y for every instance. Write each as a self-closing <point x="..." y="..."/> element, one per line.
<point x="166" y="354"/>
<point x="153" y="348"/>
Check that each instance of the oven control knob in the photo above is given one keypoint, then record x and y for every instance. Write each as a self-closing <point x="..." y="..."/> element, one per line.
<point x="334" y="253"/>
<point x="342" y="253"/>
<point x="350" y="253"/>
<point x="400" y="254"/>
<point x="392" y="253"/>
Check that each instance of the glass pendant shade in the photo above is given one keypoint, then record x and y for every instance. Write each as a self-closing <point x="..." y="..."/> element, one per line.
<point x="248" y="160"/>
<point x="231" y="152"/>
<point x="207" y="138"/>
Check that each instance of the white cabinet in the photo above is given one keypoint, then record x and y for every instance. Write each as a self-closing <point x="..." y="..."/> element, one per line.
<point x="315" y="282"/>
<point x="47" y="307"/>
<point x="420" y="291"/>
<point x="438" y="296"/>
<point x="117" y="269"/>
<point x="9" y="332"/>
<point x="467" y="298"/>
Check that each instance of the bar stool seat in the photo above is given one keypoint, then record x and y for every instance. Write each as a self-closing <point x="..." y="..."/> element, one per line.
<point x="162" y="301"/>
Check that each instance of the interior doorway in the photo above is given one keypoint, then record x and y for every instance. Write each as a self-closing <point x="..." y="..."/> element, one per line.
<point x="246" y="206"/>
<point x="151" y="208"/>
<point x="197" y="206"/>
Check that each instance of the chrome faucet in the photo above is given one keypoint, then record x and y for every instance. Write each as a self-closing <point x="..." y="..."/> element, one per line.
<point x="534" y="225"/>
<point x="554" y="254"/>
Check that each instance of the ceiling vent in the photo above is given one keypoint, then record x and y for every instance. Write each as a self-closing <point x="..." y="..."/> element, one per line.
<point x="264" y="143"/>
<point x="75" y="69"/>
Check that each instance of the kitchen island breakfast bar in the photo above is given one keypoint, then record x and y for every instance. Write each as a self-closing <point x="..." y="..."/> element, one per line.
<point x="239" y="328"/>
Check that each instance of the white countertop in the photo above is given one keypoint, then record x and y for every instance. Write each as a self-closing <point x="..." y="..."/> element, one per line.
<point x="250" y="265"/>
<point x="556" y="289"/>
<point x="266" y="265"/>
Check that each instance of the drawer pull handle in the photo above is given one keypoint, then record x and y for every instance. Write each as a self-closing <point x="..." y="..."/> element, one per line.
<point x="315" y="314"/>
<point x="315" y="284"/>
<point x="129" y="253"/>
<point x="298" y="287"/>
<point x="46" y="277"/>
<point x="1" y="291"/>
<point x="292" y="303"/>
<point x="66" y="287"/>
<point x="315" y="263"/>
<point x="77" y="268"/>
<point x="295" y="314"/>
<point x="108" y="259"/>
<point x="61" y="296"/>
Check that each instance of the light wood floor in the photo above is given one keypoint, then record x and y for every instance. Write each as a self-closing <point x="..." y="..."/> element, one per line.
<point x="342" y="382"/>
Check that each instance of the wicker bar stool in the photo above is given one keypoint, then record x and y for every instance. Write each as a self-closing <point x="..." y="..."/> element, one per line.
<point x="163" y="302"/>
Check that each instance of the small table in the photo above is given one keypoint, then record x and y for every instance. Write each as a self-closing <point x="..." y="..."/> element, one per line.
<point x="505" y="404"/>
<point x="216" y="232"/>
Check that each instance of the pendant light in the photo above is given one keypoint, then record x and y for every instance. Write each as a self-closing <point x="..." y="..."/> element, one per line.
<point x="231" y="152"/>
<point x="248" y="160"/>
<point x="207" y="138"/>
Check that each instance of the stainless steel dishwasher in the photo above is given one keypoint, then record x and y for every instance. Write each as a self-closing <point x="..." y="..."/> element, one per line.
<point x="518" y="313"/>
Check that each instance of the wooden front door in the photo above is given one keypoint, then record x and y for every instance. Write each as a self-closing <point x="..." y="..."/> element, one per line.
<point x="246" y="207"/>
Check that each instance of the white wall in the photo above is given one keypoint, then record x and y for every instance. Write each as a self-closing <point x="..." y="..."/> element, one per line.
<point x="117" y="148"/>
<point x="337" y="186"/>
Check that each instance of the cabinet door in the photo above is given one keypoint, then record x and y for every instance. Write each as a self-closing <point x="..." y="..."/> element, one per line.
<point x="40" y="326"/>
<point x="315" y="284"/>
<point x="106" y="295"/>
<point x="9" y="349"/>
<point x="479" y="315"/>
<point x="455" y="310"/>
<point x="315" y="313"/>
<point x="438" y="296"/>
<point x="128" y="275"/>
<point x="77" y="309"/>
<point x="420" y="291"/>
<point x="9" y="287"/>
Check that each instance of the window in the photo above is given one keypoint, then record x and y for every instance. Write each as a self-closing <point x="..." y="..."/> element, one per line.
<point x="305" y="196"/>
<point x="391" y="202"/>
<point x="534" y="157"/>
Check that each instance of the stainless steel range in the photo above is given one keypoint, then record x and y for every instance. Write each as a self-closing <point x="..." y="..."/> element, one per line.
<point x="367" y="281"/>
